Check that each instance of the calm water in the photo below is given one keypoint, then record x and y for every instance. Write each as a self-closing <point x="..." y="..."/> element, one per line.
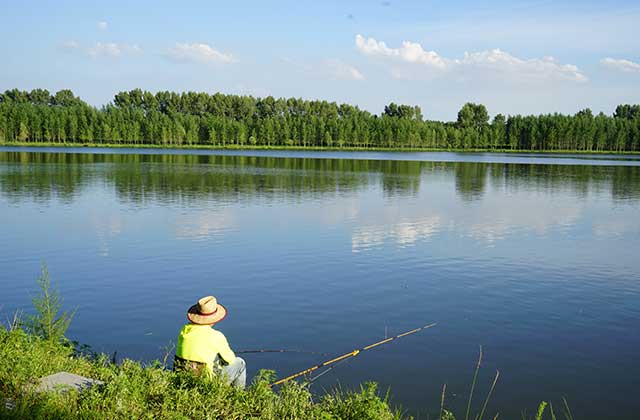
<point x="536" y="258"/>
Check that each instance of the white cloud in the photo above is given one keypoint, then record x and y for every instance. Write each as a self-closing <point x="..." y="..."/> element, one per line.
<point x="70" y="45"/>
<point x="198" y="52"/>
<point x="410" y="52"/>
<point x="109" y="49"/>
<point x="490" y="63"/>
<point x="112" y="49"/>
<point x="257" y="91"/>
<point x="621" y="64"/>
<point x="370" y="46"/>
<point x="342" y="71"/>
<point x="332" y="69"/>
<point x="544" y="68"/>
<point x="102" y="25"/>
<point x="101" y="49"/>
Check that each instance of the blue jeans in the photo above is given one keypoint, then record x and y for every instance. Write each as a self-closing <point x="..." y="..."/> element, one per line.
<point x="236" y="373"/>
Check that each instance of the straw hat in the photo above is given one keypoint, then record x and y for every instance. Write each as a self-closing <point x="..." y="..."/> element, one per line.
<point x="207" y="311"/>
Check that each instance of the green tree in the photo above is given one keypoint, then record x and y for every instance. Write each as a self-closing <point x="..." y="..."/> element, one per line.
<point x="498" y="132"/>
<point x="473" y="116"/>
<point x="64" y="98"/>
<point x="23" y="133"/>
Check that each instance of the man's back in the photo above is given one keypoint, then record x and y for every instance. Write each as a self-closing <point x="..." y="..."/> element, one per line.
<point x="200" y="346"/>
<point x="201" y="343"/>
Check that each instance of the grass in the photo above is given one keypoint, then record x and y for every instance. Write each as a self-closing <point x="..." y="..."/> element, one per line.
<point x="133" y="390"/>
<point x="305" y="148"/>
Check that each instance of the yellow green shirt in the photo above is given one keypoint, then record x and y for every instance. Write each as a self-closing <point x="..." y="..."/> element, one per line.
<point x="201" y="343"/>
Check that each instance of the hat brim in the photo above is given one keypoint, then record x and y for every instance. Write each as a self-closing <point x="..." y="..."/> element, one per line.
<point x="197" y="318"/>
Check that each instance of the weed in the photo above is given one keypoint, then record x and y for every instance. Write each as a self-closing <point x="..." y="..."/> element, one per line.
<point x="46" y="323"/>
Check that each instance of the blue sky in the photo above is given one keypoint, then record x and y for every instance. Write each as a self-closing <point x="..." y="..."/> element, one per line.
<point x="514" y="56"/>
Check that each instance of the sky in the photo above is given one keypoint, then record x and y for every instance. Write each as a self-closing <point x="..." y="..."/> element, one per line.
<point x="516" y="57"/>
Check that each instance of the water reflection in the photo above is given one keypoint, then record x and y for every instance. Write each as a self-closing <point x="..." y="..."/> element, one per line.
<point x="187" y="178"/>
<point x="404" y="233"/>
<point x="107" y="226"/>
<point x="205" y="224"/>
<point x="471" y="179"/>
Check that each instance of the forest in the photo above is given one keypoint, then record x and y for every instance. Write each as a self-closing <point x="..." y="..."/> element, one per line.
<point x="175" y="119"/>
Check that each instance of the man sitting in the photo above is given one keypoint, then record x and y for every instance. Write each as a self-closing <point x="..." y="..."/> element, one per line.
<point x="202" y="348"/>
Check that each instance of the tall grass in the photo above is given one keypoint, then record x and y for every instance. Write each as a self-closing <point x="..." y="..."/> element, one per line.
<point x="448" y="415"/>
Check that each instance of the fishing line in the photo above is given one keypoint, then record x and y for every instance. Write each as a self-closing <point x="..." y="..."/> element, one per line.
<point x="281" y="351"/>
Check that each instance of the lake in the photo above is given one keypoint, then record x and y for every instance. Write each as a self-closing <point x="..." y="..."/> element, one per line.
<point x="533" y="257"/>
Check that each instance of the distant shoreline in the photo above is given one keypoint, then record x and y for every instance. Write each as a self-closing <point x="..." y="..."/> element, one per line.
<point x="308" y="148"/>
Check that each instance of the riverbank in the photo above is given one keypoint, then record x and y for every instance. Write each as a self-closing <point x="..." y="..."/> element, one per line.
<point x="307" y="148"/>
<point x="133" y="390"/>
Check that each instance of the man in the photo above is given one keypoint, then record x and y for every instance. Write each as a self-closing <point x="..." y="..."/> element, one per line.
<point x="202" y="348"/>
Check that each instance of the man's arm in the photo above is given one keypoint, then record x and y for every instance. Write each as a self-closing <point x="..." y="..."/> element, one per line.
<point x="224" y="350"/>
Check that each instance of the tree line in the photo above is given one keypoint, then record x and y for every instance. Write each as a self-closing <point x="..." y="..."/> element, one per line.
<point x="190" y="118"/>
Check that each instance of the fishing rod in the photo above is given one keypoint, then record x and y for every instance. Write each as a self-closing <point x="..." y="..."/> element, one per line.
<point x="324" y="372"/>
<point x="350" y="354"/>
<point x="281" y="351"/>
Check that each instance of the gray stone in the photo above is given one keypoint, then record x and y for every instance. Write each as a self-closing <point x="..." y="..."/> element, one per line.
<point x="65" y="381"/>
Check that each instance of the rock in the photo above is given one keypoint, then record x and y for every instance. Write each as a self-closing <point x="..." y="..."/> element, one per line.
<point x="65" y="381"/>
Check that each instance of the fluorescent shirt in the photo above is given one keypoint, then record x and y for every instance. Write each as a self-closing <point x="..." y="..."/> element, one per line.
<point x="201" y="343"/>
